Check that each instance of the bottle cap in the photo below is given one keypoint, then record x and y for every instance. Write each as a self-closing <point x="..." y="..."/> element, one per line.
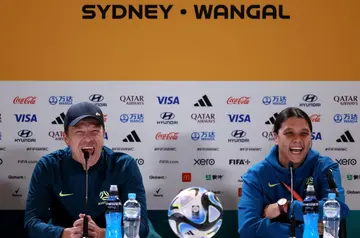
<point x="132" y="196"/>
<point x="331" y="195"/>
<point x="310" y="188"/>
<point x="113" y="188"/>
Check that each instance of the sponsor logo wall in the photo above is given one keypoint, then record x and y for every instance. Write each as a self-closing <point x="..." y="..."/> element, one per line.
<point x="181" y="134"/>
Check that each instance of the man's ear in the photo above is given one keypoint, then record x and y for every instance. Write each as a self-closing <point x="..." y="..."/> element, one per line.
<point x="276" y="138"/>
<point x="66" y="139"/>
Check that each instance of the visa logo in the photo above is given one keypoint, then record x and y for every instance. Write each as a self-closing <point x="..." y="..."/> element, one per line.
<point x="25" y="117"/>
<point x="239" y="117"/>
<point x="316" y="136"/>
<point x="168" y="100"/>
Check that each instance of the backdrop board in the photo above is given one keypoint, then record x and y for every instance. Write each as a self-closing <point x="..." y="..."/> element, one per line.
<point x="180" y="133"/>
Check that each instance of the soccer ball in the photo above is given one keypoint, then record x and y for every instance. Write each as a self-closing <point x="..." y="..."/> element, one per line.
<point x="195" y="213"/>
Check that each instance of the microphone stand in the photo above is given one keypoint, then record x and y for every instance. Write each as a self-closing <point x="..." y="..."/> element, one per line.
<point x="86" y="220"/>
<point x="292" y="217"/>
<point x="331" y="182"/>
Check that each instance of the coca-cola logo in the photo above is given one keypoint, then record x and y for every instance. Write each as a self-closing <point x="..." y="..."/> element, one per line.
<point x="167" y="136"/>
<point x="241" y="100"/>
<point x="315" y="118"/>
<point x="27" y="100"/>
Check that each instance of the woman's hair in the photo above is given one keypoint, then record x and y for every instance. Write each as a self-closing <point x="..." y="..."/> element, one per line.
<point x="288" y="113"/>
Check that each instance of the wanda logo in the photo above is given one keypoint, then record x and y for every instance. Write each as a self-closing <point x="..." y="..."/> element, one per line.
<point x="241" y="100"/>
<point x="315" y="117"/>
<point x="27" y="100"/>
<point x="167" y="136"/>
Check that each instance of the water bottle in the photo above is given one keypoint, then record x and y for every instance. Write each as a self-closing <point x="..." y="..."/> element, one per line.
<point x="331" y="217"/>
<point x="113" y="214"/>
<point x="132" y="212"/>
<point x="310" y="213"/>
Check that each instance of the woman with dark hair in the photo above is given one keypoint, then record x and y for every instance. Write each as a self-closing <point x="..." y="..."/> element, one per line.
<point x="264" y="204"/>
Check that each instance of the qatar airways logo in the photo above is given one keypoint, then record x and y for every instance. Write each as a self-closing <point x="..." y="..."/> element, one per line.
<point x="57" y="135"/>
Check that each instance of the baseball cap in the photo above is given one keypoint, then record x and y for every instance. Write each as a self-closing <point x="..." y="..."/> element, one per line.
<point x="82" y="110"/>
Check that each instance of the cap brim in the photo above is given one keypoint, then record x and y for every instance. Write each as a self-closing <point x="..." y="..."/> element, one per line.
<point x="77" y="120"/>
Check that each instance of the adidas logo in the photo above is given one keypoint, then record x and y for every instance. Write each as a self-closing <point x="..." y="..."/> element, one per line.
<point x="272" y="119"/>
<point x="59" y="120"/>
<point x="189" y="233"/>
<point x="346" y="137"/>
<point x="132" y="137"/>
<point x="203" y="102"/>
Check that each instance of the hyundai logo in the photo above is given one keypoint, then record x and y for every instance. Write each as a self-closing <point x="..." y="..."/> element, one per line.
<point x="25" y="133"/>
<point x="96" y="98"/>
<point x="310" y="98"/>
<point x="238" y="133"/>
<point x="167" y="115"/>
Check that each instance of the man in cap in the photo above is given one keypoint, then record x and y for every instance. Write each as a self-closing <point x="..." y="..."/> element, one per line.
<point x="57" y="186"/>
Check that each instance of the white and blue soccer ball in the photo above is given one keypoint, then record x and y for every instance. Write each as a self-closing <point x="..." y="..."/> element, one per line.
<point x="195" y="212"/>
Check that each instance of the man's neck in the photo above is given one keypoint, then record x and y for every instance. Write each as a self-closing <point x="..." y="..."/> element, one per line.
<point x="283" y="162"/>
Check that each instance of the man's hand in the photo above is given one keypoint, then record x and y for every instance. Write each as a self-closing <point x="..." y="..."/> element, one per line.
<point x="321" y="228"/>
<point x="94" y="231"/>
<point x="272" y="210"/>
<point x="73" y="232"/>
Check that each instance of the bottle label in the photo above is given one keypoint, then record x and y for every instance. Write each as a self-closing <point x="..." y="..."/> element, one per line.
<point x="113" y="206"/>
<point x="132" y="212"/>
<point x="327" y="235"/>
<point x="330" y="212"/>
<point x="310" y="208"/>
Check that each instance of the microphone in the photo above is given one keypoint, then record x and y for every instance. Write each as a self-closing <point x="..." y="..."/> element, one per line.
<point x="86" y="220"/>
<point x="292" y="216"/>
<point x="331" y="182"/>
